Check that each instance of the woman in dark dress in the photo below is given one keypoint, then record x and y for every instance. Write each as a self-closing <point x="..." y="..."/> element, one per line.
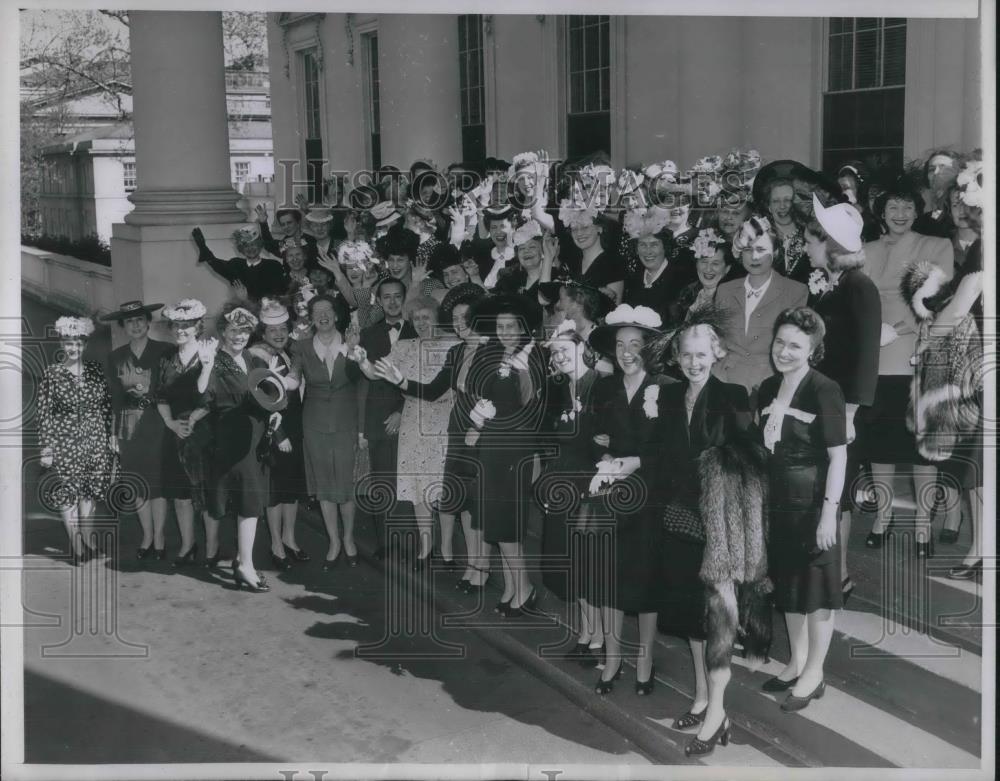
<point x="133" y="373"/>
<point x="848" y="301"/>
<point x="699" y="413"/>
<point x="75" y="434"/>
<point x="461" y="478"/>
<point x="565" y="537"/>
<point x="802" y="415"/>
<point x="287" y="480"/>
<point x="238" y="426"/>
<point x="186" y="443"/>
<point x="628" y="444"/>
<point x="591" y="264"/>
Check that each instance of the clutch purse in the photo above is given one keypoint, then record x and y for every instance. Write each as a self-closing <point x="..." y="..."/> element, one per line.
<point x="683" y="522"/>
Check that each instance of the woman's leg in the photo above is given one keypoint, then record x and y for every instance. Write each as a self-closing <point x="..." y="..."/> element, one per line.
<point x="845" y="536"/>
<point x="184" y="510"/>
<point x="508" y="551"/>
<point x="347" y="516"/>
<point x="924" y="495"/>
<point x="159" y="510"/>
<point x="211" y="535"/>
<point x="273" y="514"/>
<point x="447" y="521"/>
<point x="718" y="680"/>
<point x="951" y="498"/>
<point x="976" y="511"/>
<point x="471" y="546"/>
<point x="290" y="514"/>
<point x="246" y="533"/>
<point x="144" y="512"/>
<point x="481" y="562"/>
<point x="700" y="675"/>
<point x="882" y="490"/>
<point x="331" y="518"/>
<point x="614" y="620"/>
<point x="798" y="641"/>
<point x="71" y="520"/>
<point x="647" y="640"/>
<point x="819" y="630"/>
<point x="425" y="528"/>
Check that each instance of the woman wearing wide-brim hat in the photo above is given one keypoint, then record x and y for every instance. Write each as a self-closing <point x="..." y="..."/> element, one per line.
<point x="627" y="446"/>
<point x="506" y="421"/>
<point x="133" y="372"/>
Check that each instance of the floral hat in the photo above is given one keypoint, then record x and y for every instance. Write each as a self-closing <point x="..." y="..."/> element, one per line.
<point x="356" y="253"/>
<point x="242" y="318"/>
<point x="577" y="214"/>
<point x="666" y="170"/>
<point x="272" y="312"/>
<point x="602" y="338"/>
<point x="525" y="233"/>
<point x="73" y="327"/>
<point x="970" y="183"/>
<point x="708" y="165"/>
<point x="707" y="243"/>
<point x="186" y="310"/>
<point x="247" y="233"/>
<point x="649" y="221"/>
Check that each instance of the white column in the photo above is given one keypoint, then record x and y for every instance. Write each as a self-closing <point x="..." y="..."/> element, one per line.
<point x="180" y="119"/>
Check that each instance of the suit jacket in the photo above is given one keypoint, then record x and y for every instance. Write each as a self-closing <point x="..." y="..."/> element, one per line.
<point x="852" y="314"/>
<point x="885" y="264"/>
<point x="661" y="295"/>
<point x="748" y="362"/>
<point x="331" y="404"/>
<point x="379" y="398"/>
<point x="273" y="246"/>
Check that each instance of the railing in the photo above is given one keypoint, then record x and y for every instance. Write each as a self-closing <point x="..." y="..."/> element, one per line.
<point x="247" y="80"/>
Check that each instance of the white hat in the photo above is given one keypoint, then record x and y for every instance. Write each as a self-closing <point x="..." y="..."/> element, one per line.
<point x="842" y="223"/>
<point x="272" y="312"/>
<point x="70" y="327"/>
<point x="319" y="216"/>
<point x="248" y="232"/>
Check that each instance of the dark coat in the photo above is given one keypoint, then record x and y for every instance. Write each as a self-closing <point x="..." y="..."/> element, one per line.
<point x="379" y="398"/>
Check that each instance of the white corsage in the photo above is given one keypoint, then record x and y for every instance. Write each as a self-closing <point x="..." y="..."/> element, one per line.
<point x="357" y="354"/>
<point x="707" y="243"/>
<point x="570" y="414"/>
<point x="608" y="472"/>
<point x="649" y="401"/>
<point x="565" y="328"/>
<point x="970" y="183"/>
<point x="504" y="370"/>
<point x="483" y="411"/>
<point x="519" y="360"/>
<point x="68" y="327"/>
<point x="641" y="221"/>
<point x="818" y="283"/>
<point x="625" y="314"/>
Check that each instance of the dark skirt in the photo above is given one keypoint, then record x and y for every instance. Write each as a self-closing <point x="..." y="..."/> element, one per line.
<point x="805" y="578"/>
<point x="885" y="438"/>
<point x="506" y="490"/>
<point x="185" y="465"/>
<point x="461" y="485"/>
<point x="287" y="475"/>
<point x="570" y="545"/>
<point x="142" y="454"/>
<point x="683" y="600"/>
<point x="244" y="483"/>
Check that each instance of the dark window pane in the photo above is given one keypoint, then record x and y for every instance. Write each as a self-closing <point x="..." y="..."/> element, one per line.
<point x="836" y="63"/>
<point x="587" y="134"/>
<point x="592" y="47"/>
<point x="605" y="89"/>
<point x="463" y="71"/>
<point x="605" y="45"/>
<point x="462" y="21"/>
<point x="476" y="106"/>
<point x="894" y="99"/>
<point x="574" y="22"/>
<point x="475" y="74"/>
<point x="575" y="51"/>
<point x="576" y="93"/>
<point x="474" y="143"/>
<point x="836" y="25"/>
<point x="866" y="64"/>
<point x="592" y="86"/>
<point x="866" y="23"/>
<point x="895" y="56"/>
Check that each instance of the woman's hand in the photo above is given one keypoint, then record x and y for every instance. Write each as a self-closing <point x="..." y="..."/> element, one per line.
<point x="47" y="458"/>
<point x="852" y="434"/>
<point x="392" y="423"/>
<point x="352" y="337"/>
<point x="889" y="335"/>
<point x="261" y="212"/>
<point x="419" y="272"/>
<point x="182" y="428"/>
<point x="302" y="202"/>
<point x="826" y="532"/>
<point x="388" y="371"/>
<point x="362" y="442"/>
<point x="207" y="348"/>
<point x="550" y="249"/>
<point x="471" y="437"/>
<point x="325" y="261"/>
<point x="602" y="440"/>
<point x="285" y="446"/>
<point x="240" y="290"/>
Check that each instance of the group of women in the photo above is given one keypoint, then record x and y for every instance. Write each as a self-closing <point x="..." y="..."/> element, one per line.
<point x="693" y="408"/>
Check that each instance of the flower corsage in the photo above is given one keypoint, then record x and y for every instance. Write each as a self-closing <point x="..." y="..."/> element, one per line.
<point x="570" y="414"/>
<point x="818" y="283"/>
<point x="649" y="401"/>
<point x="483" y="411"/>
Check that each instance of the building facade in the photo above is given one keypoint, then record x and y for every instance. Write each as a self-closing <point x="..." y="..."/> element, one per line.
<point x="362" y="90"/>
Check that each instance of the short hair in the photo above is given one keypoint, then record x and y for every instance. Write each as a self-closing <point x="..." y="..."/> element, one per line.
<point x="341" y="311"/>
<point x="760" y="230"/>
<point x="282" y="212"/>
<point x="589" y="298"/>
<point x="443" y="256"/>
<point x="398" y="241"/>
<point x="778" y="181"/>
<point x="421" y="302"/>
<point x="388" y="281"/>
<point x="837" y="258"/>
<point x="697" y="329"/>
<point x="810" y="323"/>
<point x="144" y="313"/>
<point x="957" y="157"/>
<point x="900" y="190"/>
<point x="221" y="323"/>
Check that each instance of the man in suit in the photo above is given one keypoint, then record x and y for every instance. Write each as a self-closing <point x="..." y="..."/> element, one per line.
<point x="752" y="306"/>
<point x="290" y="222"/>
<point x="382" y="401"/>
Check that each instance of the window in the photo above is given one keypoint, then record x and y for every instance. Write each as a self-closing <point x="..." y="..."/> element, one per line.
<point x="471" y="85"/>
<point x="588" y="124"/>
<point x="241" y="171"/>
<point x="128" y="174"/>
<point x="863" y="103"/>
<point x="314" y="124"/>
<point x="373" y="119"/>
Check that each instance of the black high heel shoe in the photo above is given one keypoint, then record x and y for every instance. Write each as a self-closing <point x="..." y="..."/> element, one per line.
<point x="296" y="555"/>
<point x="79" y="559"/>
<point x="690" y="719"/>
<point x="476" y="588"/>
<point x="188" y="559"/>
<point x="260" y="587"/>
<point x="213" y="562"/>
<point x="924" y="550"/>
<point x="281" y="563"/>
<point x="970" y="572"/>
<point x="603" y="686"/>
<point x="699" y="748"/>
<point x="503" y="607"/>
<point x="793" y="703"/>
<point x="142" y="553"/>
<point x="846" y="589"/>
<point x="775" y="684"/>
<point x="528" y="606"/>
<point x="874" y="540"/>
<point x="948" y="536"/>
<point x="161" y="553"/>
<point x="642" y="688"/>
<point x="592" y="658"/>
<point x="329" y="564"/>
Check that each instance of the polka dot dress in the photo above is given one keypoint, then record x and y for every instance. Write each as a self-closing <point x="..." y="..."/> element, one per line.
<point x="75" y="420"/>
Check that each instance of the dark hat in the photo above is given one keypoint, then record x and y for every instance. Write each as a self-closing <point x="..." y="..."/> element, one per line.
<point x="497" y="214"/>
<point x="443" y="256"/>
<point x="267" y="389"/>
<point x="602" y="338"/>
<point x="363" y="197"/>
<point x="398" y="241"/>
<point x="486" y="310"/>
<point x="496" y="164"/>
<point x="131" y="309"/>
<point x="466" y="293"/>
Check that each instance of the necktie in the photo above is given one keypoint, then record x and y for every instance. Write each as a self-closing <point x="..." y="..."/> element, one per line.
<point x="395" y="326"/>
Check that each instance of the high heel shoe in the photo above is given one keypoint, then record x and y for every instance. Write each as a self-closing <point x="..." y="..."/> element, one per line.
<point x="83" y="557"/>
<point x="775" y="684"/>
<point x="966" y="572"/>
<point x="700" y="748"/>
<point x="503" y="607"/>
<point x="476" y="588"/>
<point x="329" y="564"/>
<point x="188" y="559"/>
<point x="948" y="536"/>
<point x="876" y="540"/>
<point x="142" y="553"/>
<point x="462" y="584"/>
<point x="592" y="658"/>
<point x="690" y="719"/>
<point x="281" y="563"/>
<point x="642" y="688"/>
<point x="260" y="587"/>
<point x="213" y="562"/>
<point x="846" y="591"/>
<point x="296" y="555"/>
<point x="793" y="703"/>
<point x="161" y="553"/>
<point x="603" y="686"/>
<point x="527" y="606"/>
<point x="420" y="564"/>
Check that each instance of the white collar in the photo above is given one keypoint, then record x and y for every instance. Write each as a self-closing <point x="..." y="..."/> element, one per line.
<point x="646" y="281"/>
<point x="507" y="254"/>
<point x="760" y="291"/>
<point x="332" y="350"/>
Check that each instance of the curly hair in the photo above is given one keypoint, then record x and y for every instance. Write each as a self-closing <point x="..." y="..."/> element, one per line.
<point x="341" y="312"/>
<point x="421" y="302"/>
<point x="809" y="323"/>
<point x="900" y="190"/>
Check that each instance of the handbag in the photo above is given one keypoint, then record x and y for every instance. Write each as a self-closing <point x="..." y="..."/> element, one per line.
<point x="362" y="465"/>
<point x="683" y="522"/>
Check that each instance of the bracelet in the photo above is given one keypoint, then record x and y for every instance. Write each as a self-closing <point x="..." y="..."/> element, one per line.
<point x="830" y="501"/>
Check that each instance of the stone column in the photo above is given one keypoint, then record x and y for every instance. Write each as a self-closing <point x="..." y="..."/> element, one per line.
<point x="182" y="161"/>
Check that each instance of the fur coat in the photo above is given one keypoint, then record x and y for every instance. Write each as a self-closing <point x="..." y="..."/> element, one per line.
<point x="946" y="392"/>
<point x="734" y="568"/>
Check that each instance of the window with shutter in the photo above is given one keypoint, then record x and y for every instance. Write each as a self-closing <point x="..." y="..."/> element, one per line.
<point x="588" y="122"/>
<point x="472" y="87"/>
<point x="865" y="90"/>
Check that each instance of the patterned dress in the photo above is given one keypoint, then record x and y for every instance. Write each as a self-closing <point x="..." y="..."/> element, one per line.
<point x="75" y="424"/>
<point x="423" y="425"/>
